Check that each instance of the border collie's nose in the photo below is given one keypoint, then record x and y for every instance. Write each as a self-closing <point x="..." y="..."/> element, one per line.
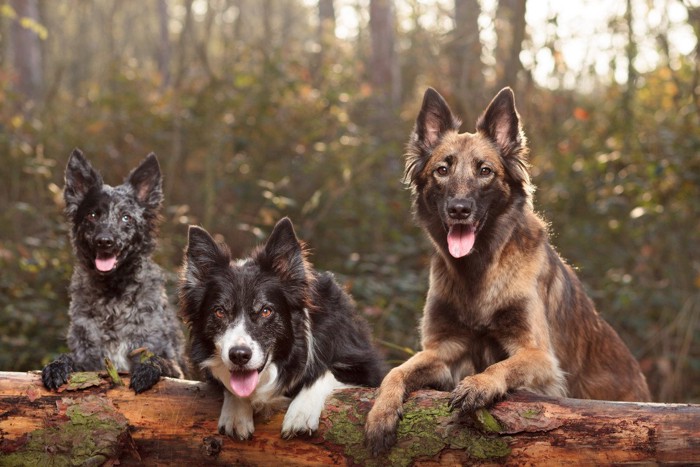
<point x="240" y="355"/>
<point x="104" y="242"/>
<point x="460" y="208"/>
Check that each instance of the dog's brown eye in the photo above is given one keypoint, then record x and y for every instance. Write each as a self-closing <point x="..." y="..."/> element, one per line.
<point x="266" y="311"/>
<point x="485" y="171"/>
<point x="219" y="313"/>
<point x="442" y="170"/>
<point x="92" y="217"/>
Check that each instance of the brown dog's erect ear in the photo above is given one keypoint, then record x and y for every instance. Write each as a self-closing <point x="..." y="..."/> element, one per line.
<point x="501" y="123"/>
<point x="434" y="119"/>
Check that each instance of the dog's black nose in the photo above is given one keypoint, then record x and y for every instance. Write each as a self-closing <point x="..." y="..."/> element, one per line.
<point x="104" y="242"/>
<point x="460" y="208"/>
<point x="240" y="355"/>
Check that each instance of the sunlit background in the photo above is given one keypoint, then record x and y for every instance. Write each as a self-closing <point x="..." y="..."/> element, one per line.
<point x="263" y="108"/>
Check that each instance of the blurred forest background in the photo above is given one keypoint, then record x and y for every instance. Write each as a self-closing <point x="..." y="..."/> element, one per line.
<point x="264" y="108"/>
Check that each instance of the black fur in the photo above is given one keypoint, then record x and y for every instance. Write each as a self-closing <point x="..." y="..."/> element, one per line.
<point x="309" y="309"/>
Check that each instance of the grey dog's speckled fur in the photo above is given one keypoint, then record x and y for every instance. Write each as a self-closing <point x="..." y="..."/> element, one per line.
<point x="112" y="314"/>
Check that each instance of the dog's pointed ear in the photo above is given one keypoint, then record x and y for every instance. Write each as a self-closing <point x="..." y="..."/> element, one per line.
<point x="283" y="252"/>
<point x="202" y="254"/>
<point x="434" y="119"/>
<point x="501" y="123"/>
<point x="147" y="182"/>
<point x="80" y="177"/>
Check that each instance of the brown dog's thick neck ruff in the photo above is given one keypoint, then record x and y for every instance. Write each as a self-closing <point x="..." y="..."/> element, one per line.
<point x="503" y="310"/>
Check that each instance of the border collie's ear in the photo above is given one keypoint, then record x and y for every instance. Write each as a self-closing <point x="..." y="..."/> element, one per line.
<point x="434" y="120"/>
<point x="202" y="254"/>
<point x="147" y="182"/>
<point x="501" y="123"/>
<point x="80" y="177"/>
<point x="284" y="252"/>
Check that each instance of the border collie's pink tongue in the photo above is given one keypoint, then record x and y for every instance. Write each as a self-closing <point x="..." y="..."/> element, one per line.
<point x="105" y="264"/>
<point x="460" y="240"/>
<point x="243" y="382"/>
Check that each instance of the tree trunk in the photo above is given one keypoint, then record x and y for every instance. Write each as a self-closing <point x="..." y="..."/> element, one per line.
<point x="466" y="66"/>
<point x="384" y="67"/>
<point x="176" y="423"/>
<point x="26" y="48"/>
<point x="163" y="57"/>
<point x="510" y="27"/>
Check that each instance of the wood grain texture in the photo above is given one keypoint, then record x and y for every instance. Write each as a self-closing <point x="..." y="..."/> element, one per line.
<point x="175" y="423"/>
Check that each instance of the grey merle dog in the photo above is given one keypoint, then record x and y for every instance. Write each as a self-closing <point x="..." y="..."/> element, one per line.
<point x="119" y="309"/>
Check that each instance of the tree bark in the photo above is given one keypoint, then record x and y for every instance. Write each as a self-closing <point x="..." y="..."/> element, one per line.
<point x="26" y="47"/>
<point x="510" y="27"/>
<point x="466" y="65"/>
<point x="176" y="423"/>
<point x="384" y="70"/>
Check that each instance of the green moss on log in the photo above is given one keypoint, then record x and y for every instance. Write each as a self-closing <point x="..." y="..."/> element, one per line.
<point x="423" y="433"/>
<point x="88" y="431"/>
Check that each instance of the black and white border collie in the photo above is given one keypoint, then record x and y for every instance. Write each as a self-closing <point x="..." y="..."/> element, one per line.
<point x="272" y="331"/>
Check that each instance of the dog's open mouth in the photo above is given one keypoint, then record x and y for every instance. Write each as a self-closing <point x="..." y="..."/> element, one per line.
<point x="460" y="239"/>
<point x="243" y="383"/>
<point x="105" y="262"/>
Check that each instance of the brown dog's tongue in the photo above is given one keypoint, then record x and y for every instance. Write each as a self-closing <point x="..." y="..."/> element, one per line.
<point x="460" y="240"/>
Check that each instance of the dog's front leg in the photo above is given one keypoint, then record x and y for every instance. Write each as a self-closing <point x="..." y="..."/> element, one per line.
<point x="532" y="366"/>
<point x="426" y="368"/>
<point x="236" y="419"/>
<point x="305" y="410"/>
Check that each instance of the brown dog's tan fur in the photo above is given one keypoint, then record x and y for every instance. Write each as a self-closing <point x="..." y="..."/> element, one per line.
<point x="510" y="314"/>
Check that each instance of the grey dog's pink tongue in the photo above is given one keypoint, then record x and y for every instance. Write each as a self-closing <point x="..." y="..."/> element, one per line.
<point x="105" y="264"/>
<point x="460" y="240"/>
<point x="243" y="383"/>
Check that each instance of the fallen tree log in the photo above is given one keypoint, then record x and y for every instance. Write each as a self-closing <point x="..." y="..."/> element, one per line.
<point x="92" y="421"/>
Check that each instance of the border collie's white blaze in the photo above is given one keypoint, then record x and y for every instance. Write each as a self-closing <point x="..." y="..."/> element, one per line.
<point x="270" y="329"/>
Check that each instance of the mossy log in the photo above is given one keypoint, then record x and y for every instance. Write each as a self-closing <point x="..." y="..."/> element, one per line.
<point x="92" y="421"/>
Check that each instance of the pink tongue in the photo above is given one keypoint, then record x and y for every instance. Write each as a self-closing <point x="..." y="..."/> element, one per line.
<point x="105" y="264"/>
<point x="243" y="382"/>
<point x="460" y="240"/>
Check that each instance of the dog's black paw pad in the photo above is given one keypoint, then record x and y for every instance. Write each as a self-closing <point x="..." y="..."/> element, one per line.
<point x="56" y="373"/>
<point x="144" y="376"/>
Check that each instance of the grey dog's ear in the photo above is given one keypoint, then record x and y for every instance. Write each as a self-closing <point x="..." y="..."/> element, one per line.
<point x="147" y="182"/>
<point x="80" y="177"/>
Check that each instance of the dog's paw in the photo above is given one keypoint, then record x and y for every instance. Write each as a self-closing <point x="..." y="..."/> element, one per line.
<point x="236" y="423"/>
<point x="57" y="372"/>
<point x="474" y="392"/>
<point x="300" y="420"/>
<point x="380" y="427"/>
<point x="145" y="375"/>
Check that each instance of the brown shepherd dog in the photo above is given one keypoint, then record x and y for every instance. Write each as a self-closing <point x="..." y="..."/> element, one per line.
<point x="503" y="310"/>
